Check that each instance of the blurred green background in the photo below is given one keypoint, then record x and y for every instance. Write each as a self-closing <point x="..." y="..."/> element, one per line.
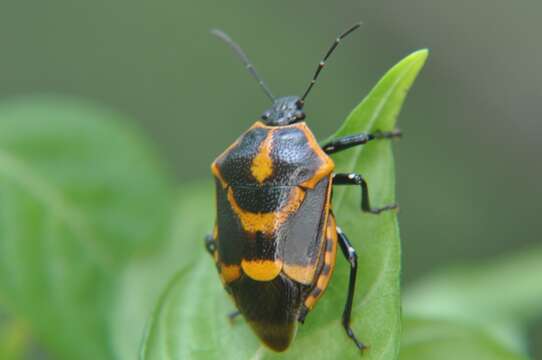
<point x="468" y="167"/>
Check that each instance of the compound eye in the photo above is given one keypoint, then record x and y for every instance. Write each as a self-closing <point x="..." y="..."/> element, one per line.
<point x="299" y="103"/>
<point x="265" y="116"/>
<point x="299" y="115"/>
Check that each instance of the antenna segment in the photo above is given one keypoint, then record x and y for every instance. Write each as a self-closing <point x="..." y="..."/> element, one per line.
<point x="329" y="52"/>
<point x="244" y="58"/>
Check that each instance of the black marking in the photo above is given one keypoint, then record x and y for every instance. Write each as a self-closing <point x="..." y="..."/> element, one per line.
<point x="329" y="246"/>
<point x="261" y="247"/>
<point x="271" y="308"/>
<point x="294" y="161"/>
<point x="262" y="199"/>
<point x="316" y="292"/>
<point x="231" y="237"/>
<point x="235" y="165"/>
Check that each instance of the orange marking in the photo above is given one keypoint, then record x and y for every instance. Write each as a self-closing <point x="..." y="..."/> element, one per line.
<point x="267" y="222"/>
<point x="259" y="124"/>
<point x="262" y="165"/>
<point x="327" y="163"/>
<point x="216" y="172"/>
<point x="322" y="282"/>
<point x="230" y="272"/>
<point x="309" y="303"/>
<point x="262" y="270"/>
<point x="301" y="273"/>
<point x="215" y="238"/>
<point x="214" y="166"/>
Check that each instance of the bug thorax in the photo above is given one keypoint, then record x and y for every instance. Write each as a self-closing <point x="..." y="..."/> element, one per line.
<point x="284" y="111"/>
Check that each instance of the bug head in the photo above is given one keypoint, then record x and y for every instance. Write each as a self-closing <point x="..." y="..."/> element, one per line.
<point x="284" y="111"/>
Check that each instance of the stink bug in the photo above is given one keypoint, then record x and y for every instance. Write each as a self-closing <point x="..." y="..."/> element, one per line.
<point x="275" y="237"/>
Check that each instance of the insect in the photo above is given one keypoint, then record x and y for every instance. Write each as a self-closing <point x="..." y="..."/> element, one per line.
<point x="275" y="237"/>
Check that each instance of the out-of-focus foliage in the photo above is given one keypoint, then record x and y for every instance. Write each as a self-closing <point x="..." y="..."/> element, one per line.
<point x="147" y="276"/>
<point x="503" y="291"/>
<point x="429" y="339"/>
<point x="79" y="193"/>
<point x="495" y="300"/>
<point x="89" y="239"/>
<point x="14" y="338"/>
<point x="467" y="168"/>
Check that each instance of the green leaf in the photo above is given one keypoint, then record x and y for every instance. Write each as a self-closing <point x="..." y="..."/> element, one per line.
<point x="501" y="295"/>
<point x="14" y="338"/>
<point x="190" y="320"/>
<point x="145" y="277"/>
<point x="98" y="162"/>
<point x="447" y="340"/>
<point x="79" y="193"/>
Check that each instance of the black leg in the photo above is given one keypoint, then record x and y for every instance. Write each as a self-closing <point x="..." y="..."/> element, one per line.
<point x="233" y="315"/>
<point x="357" y="179"/>
<point x="358" y="139"/>
<point x="210" y="244"/>
<point x="350" y="254"/>
<point x="302" y="314"/>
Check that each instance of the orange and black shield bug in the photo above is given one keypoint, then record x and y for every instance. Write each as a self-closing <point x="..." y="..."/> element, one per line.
<point x="275" y="238"/>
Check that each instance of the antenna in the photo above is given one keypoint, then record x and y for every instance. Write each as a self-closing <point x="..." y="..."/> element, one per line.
<point x="329" y="52"/>
<point x="223" y="36"/>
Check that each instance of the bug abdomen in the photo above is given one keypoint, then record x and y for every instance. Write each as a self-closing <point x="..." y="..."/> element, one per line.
<point x="270" y="307"/>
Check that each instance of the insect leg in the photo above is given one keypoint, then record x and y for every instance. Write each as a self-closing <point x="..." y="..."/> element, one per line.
<point x="233" y="315"/>
<point x="210" y="244"/>
<point x="350" y="254"/>
<point x="357" y="179"/>
<point x="349" y="141"/>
